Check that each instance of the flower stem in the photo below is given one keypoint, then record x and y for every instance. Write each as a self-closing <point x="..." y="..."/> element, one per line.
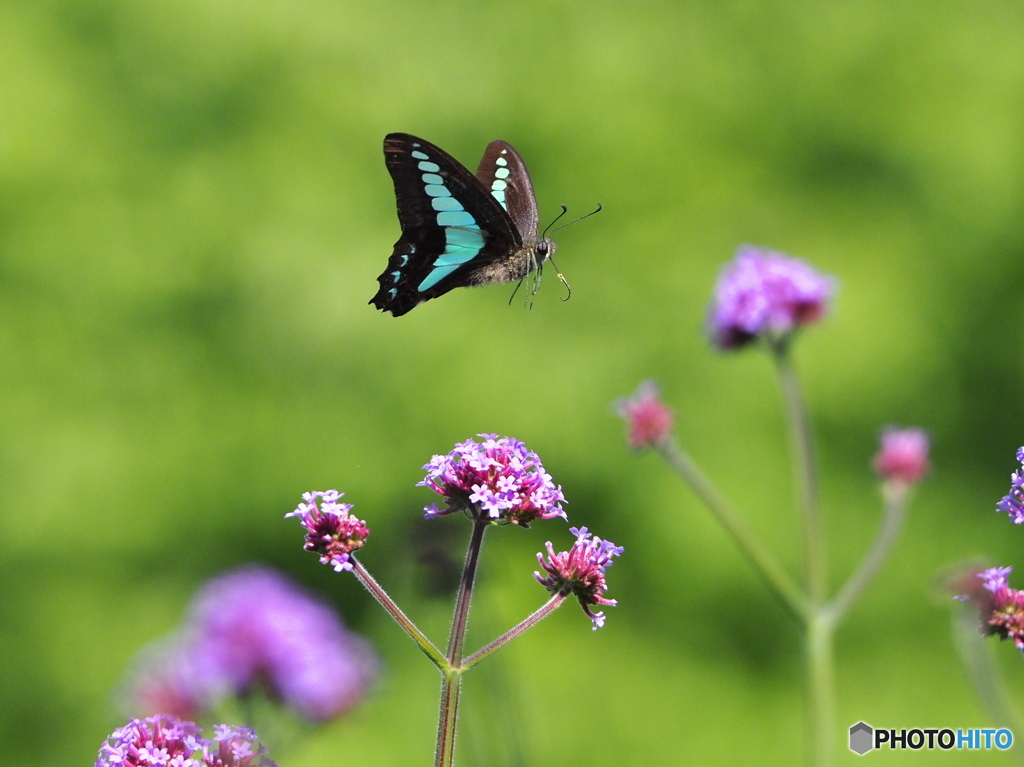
<point x="395" y="612"/>
<point x="767" y="566"/>
<point x="452" y="670"/>
<point x="552" y="604"/>
<point x="457" y="639"/>
<point x="820" y="691"/>
<point x="803" y="453"/>
<point x="980" y="666"/>
<point x="895" y="513"/>
<point x="451" y="685"/>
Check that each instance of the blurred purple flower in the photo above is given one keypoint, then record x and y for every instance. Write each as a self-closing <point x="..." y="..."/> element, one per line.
<point x="648" y="418"/>
<point x="763" y="292"/>
<point x="332" y="531"/>
<point x="903" y="456"/>
<point x="1013" y="502"/>
<point x="995" y="578"/>
<point x="500" y="477"/>
<point x="251" y="628"/>
<point x="164" y="741"/>
<point x="580" y="571"/>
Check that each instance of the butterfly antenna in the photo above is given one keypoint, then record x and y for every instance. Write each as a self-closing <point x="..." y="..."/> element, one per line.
<point x="561" y="276"/>
<point x="564" y="211"/>
<point x="600" y="207"/>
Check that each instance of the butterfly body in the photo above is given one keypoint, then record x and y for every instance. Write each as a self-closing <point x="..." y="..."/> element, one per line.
<point x="458" y="229"/>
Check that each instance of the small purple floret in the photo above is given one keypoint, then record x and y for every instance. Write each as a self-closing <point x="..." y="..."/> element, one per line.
<point x="994" y="578"/>
<point x="332" y="531"/>
<point x="580" y="571"/>
<point x="1013" y="502"/>
<point x="499" y="478"/>
<point x="764" y="293"/>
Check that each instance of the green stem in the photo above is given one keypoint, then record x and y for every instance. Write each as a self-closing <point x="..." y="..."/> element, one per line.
<point x="767" y="566"/>
<point x="977" y="660"/>
<point x="895" y="513"/>
<point x="552" y="604"/>
<point x="451" y="686"/>
<point x="807" y="482"/>
<point x="820" y="692"/>
<point x="457" y="639"/>
<point x="395" y="612"/>
<point x="444" y="755"/>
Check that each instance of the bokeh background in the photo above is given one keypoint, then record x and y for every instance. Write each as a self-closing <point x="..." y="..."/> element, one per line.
<point x="193" y="212"/>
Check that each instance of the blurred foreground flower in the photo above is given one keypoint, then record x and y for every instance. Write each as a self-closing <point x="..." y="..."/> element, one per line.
<point x="1013" y="502"/>
<point x="580" y="571"/>
<point x="252" y="629"/>
<point x="500" y="477"/>
<point x="764" y="293"/>
<point x="163" y="741"/>
<point x="903" y="456"/>
<point x="1000" y="608"/>
<point x="648" y="418"/>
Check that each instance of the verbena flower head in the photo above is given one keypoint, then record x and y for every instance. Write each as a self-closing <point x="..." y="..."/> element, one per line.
<point x="764" y="293"/>
<point x="253" y="630"/>
<point x="1013" y="502"/>
<point x="1000" y="608"/>
<point x="903" y="456"/>
<point x="648" y="418"/>
<point x="499" y="477"/>
<point x="580" y="571"/>
<point x="164" y="741"/>
<point x="333" y="533"/>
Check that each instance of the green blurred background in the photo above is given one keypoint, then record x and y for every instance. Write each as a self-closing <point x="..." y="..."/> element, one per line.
<point x="193" y="212"/>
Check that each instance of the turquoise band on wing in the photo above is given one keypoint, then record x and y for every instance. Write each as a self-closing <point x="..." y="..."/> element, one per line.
<point x="463" y="243"/>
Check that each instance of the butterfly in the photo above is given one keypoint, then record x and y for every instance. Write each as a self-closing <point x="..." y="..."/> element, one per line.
<point x="458" y="229"/>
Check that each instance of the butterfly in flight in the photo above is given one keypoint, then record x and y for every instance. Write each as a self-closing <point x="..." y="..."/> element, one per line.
<point x="458" y="229"/>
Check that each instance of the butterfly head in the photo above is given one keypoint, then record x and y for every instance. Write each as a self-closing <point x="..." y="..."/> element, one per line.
<point x="544" y="249"/>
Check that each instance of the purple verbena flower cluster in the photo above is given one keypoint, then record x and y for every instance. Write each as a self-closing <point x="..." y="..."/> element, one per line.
<point x="580" y="571"/>
<point x="1013" y="502"/>
<point x="764" y="293"/>
<point x="1000" y="608"/>
<point x="252" y="629"/>
<point x="163" y="741"/>
<point x="499" y="478"/>
<point x="333" y="532"/>
<point x="648" y="418"/>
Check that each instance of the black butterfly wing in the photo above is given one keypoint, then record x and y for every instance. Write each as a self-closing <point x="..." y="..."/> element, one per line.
<point x="503" y="173"/>
<point x="453" y="230"/>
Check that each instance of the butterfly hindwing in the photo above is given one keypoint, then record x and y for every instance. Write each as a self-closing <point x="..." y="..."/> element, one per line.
<point x="503" y="173"/>
<point x="453" y="229"/>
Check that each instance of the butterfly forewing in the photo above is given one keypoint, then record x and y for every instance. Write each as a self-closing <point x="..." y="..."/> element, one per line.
<point x="451" y="225"/>
<point x="503" y="173"/>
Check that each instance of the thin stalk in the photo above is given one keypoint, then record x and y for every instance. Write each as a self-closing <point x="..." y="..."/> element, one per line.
<point x="820" y="692"/>
<point x="895" y="513"/>
<point x="767" y="566"/>
<point x="451" y="685"/>
<point x="552" y="604"/>
<point x="395" y="612"/>
<point x="457" y="638"/>
<point x="807" y="478"/>
<point x="444" y="755"/>
<point x="977" y="660"/>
